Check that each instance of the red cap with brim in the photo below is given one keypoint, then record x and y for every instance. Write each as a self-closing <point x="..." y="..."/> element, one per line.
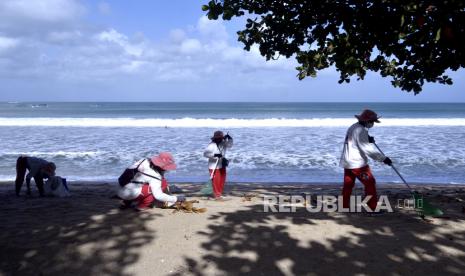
<point x="368" y="115"/>
<point x="218" y="135"/>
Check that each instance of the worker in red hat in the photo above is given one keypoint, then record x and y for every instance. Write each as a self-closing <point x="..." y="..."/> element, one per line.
<point x="148" y="186"/>
<point x="217" y="162"/>
<point x="358" y="146"/>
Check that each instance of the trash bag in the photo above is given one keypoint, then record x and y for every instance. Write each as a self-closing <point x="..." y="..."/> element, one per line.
<point x="56" y="186"/>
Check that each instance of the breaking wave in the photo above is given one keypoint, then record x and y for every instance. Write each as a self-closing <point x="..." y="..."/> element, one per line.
<point x="225" y="123"/>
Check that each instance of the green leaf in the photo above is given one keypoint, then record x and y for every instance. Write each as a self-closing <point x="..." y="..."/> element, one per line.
<point x="438" y="35"/>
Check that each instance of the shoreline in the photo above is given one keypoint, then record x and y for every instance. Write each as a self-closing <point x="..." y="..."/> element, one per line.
<point x="266" y="183"/>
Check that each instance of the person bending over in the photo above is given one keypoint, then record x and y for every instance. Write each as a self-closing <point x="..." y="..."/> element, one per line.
<point x="38" y="169"/>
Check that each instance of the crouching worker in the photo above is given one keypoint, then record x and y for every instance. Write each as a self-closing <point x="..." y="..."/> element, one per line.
<point x="144" y="183"/>
<point x="38" y="169"/>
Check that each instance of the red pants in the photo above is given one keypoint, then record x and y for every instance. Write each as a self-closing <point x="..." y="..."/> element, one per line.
<point x="219" y="177"/>
<point x="146" y="198"/>
<point x="365" y="176"/>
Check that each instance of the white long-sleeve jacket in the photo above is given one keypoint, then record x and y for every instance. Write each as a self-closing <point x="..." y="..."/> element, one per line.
<point x="357" y="147"/>
<point x="213" y="149"/>
<point x="145" y="175"/>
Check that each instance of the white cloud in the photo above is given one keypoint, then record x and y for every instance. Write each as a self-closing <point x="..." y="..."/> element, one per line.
<point x="190" y="46"/>
<point x="7" y="43"/>
<point x="233" y="53"/>
<point x="37" y="18"/>
<point x="64" y="37"/>
<point x="43" y="10"/>
<point x="134" y="66"/>
<point x="212" y="29"/>
<point x="117" y="38"/>
<point x="177" y="35"/>
<point x="74" y="50"/>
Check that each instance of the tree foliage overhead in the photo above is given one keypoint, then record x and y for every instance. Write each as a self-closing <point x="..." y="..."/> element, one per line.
<point x="411" y="41"/>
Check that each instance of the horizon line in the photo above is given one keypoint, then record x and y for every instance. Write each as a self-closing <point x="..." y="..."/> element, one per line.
<point x="291" y="102"/>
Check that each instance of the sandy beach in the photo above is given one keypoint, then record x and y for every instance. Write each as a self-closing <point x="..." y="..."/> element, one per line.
<point x="86" y="234"/>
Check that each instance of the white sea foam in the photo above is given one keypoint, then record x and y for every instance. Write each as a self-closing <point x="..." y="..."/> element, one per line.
<point x="71" y="178"/>
<point x="224" y="123"/>
<point x="274" y="154"/>
<point x="68" y="154"/>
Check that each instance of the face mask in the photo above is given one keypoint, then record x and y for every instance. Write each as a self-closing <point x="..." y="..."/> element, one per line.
<point x="369" y="125"/>
<point x="218" y="140"/>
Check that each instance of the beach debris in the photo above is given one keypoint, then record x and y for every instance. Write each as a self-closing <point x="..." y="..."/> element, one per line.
<point x="459" y="199"/>
<point x="427" y="219"/>
<point x="188" y="207"/>
<point x="248" y="197"/>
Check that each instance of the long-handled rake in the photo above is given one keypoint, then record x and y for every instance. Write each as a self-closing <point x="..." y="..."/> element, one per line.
<point x="422" y="206"/>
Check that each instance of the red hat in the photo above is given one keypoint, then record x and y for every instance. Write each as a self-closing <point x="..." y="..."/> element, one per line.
<point x="368" y="115"/>
<point x="164" y="160"/>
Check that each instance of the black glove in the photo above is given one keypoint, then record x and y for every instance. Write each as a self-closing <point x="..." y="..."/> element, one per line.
<point x="227" y="137"/>
<point x="387" y="161"/>
<point x="371" y="139"/>
<point x="219" y="155"/>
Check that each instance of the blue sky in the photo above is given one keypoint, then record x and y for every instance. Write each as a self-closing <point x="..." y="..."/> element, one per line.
<point x="71" y="50"/>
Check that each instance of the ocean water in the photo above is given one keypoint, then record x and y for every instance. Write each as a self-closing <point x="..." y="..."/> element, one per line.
<point x="274" y="142"/>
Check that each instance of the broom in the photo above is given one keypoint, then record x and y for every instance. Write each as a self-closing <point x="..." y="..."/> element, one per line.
<point x="207" y="188"/>
<point x="423" y="207"/>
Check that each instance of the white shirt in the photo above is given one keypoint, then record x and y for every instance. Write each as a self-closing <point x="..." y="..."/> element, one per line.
<point x="213" y="149"/>
<point x="357" y="147"/>
<point x="35" y="165"/>
<point x="145" y="174"/>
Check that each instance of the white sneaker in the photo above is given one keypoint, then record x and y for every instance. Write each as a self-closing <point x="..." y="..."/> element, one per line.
<point x="222" y="198"/>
